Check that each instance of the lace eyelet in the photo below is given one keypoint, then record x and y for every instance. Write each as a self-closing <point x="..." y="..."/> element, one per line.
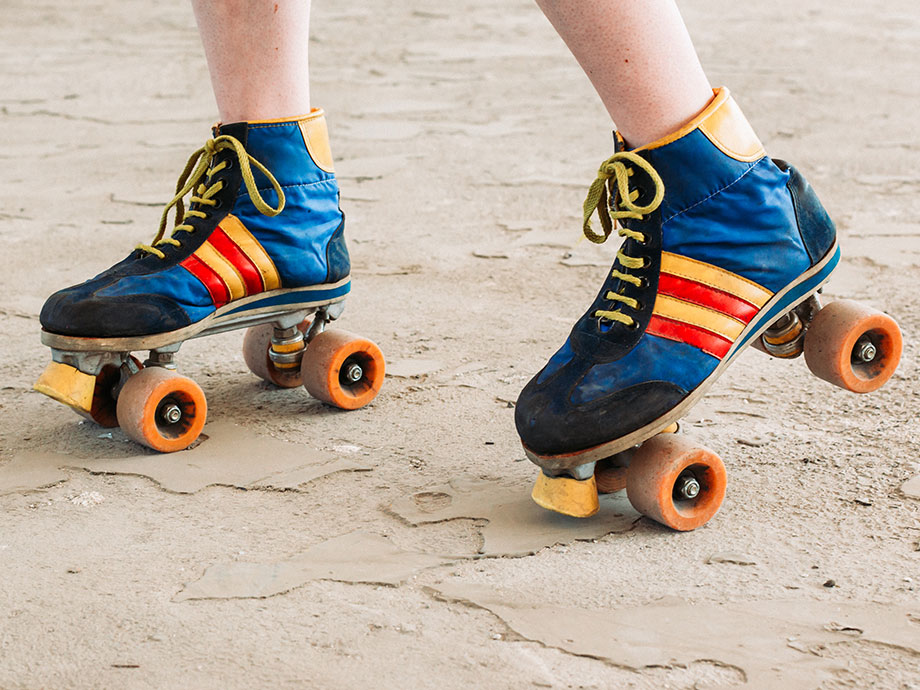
<point x="632" y="326"/>
<point x="643" y="283"/>
<point x="602" y="324"/>
<point x="218" y="202"/>
<point x="224" y="167"/>
<point x="640" y="305"/>
<point x="646" y="261"/>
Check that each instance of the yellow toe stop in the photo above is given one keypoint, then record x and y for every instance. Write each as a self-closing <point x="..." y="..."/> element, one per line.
<point x="68" y="385"/>
<point x="575" y="497"/>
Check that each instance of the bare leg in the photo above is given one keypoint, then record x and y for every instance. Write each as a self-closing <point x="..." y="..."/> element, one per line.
<point x="257" y="56"/>
<point x="639" y="57"/>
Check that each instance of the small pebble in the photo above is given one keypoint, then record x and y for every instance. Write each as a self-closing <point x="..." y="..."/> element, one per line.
<point x="830" y="583"/>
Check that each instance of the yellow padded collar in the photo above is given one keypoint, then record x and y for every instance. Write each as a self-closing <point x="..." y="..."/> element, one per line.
<point x="723" y="123"/>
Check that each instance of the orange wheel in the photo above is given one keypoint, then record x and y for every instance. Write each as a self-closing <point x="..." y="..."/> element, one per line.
<point x="256" y="345"/>
<point x="676" y="482"/>
<point x="609" y="477"/>
<point x="161" y="409"/>
<point x="342" y="369"/>
<point x="610" y="473"/>
<point x="853" y="346"/>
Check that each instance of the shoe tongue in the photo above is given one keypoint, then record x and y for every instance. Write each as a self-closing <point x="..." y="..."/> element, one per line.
<point x="237" y="130"/>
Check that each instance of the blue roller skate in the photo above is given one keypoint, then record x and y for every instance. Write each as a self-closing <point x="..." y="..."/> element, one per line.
<point x="261" y="245"/>
<point x="724" y="248"/>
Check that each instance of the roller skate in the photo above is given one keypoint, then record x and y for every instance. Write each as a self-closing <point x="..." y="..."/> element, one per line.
<point x="724" y="248"/>
<point x="261" y="246"/>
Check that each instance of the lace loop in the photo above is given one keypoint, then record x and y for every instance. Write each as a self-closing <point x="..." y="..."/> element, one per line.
<point x="617" y="170"/>
<point x="193" y="173"/>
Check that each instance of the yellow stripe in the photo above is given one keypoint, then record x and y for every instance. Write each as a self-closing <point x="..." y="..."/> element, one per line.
<point x="244" y="239"/>
<point x="715" y="277"/>
<point x="695" y="315"/>
<point x="231" y="277"/>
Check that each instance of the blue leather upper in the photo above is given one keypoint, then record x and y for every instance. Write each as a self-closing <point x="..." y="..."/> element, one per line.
<point x="295" y="239"/>
<point x="752" y="218"/>
<point x="653" y="359"/>
<point x="818" y="230"/>
<point x="736" y="215"/>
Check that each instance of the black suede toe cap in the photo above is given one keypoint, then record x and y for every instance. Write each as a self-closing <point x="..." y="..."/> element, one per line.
<point x="550" y="424"/>
<point x="78" y="311"/>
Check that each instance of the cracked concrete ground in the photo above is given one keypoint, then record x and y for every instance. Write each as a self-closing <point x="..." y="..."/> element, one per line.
<point x="398" y="548"/>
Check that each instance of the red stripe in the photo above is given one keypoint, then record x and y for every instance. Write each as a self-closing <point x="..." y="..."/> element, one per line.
<point x="697" y="293"/>
<point x="708" y="342"/>
<point x="219" y="292"/>
<point x="252" y="279"/>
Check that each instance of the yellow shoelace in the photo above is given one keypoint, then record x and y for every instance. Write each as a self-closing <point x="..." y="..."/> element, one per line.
<point x="195" y="170"/>
<point x="620" y="167"/>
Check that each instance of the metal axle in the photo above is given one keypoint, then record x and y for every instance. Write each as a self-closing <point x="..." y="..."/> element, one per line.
<point x="171" y="413"/>
<point x="352" y="373"/>
<point x="687" y="487"/>
<point x="864" y="350"/>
